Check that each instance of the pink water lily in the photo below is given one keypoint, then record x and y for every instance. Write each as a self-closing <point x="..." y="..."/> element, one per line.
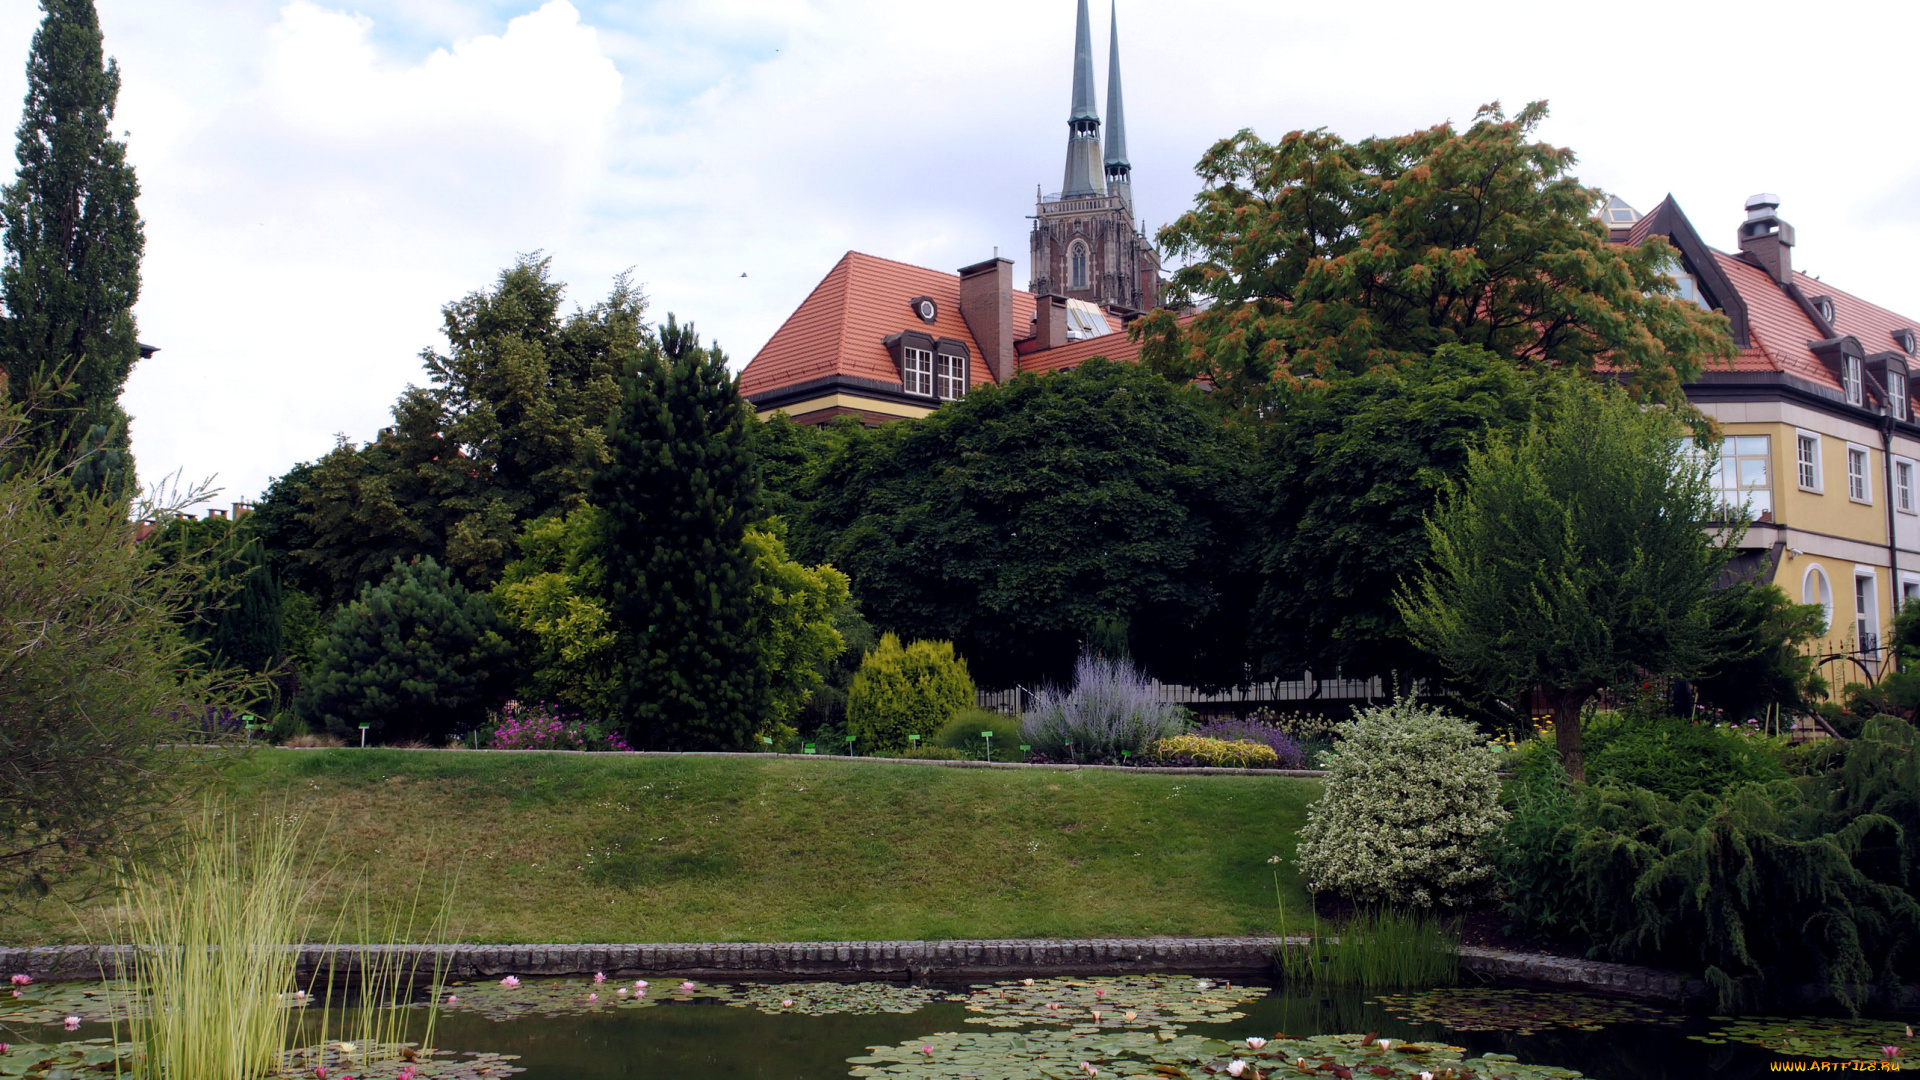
<point x="451" y="998"/>
<point x="73" y="1023"/>
<point x="639" y="984"/>
<point x="593" y="997"/>
<point x="21" y="980"/>
<point x="927" y="1050"/>
<point x="686" y="986"/>
<point x="1255" y="1042"/>
<point x="1236" y="1067"/>
<point x="786" y="1003"/>
<point x="622" y="991"/>
<point x="510" y="982"/>
<point x="1090" y="1070"/>
<point x="599" y="977"/>
<point x="1890" y="1051"/>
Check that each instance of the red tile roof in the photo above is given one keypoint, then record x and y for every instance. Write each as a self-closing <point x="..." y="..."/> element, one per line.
<point x="839" y="327"/>
<point x="1779" y="330"/>
<point x="1114" y="346"/>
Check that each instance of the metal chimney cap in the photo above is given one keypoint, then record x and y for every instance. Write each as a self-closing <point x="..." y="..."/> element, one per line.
<point x="1762" y="205"/>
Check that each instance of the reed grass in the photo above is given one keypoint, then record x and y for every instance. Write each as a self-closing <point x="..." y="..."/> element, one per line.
<point x="216" y="965"/>
<point x="1374" y="949"/>
<point x="375" y="1019"/>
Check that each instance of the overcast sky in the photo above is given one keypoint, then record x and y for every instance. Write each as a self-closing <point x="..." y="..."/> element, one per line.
<point x="321" y="176"/>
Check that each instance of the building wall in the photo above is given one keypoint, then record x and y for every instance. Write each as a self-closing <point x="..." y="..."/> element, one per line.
<point x="1827" y="530"/>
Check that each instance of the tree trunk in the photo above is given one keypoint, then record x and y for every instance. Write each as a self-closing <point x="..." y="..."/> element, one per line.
<point x="1566" y="703"/>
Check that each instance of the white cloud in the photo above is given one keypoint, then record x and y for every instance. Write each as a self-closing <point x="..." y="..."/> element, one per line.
<point x="321" y="175"/>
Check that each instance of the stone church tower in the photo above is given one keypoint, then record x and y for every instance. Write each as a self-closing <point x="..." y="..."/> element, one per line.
<point x="1085" y="243"/>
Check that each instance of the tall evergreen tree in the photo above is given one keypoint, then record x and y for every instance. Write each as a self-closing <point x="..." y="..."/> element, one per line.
<point x="73" y="241"/>
<point x="676" y="499"/>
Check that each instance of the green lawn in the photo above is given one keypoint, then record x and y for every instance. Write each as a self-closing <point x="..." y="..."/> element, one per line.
<point x="577" y="848"/>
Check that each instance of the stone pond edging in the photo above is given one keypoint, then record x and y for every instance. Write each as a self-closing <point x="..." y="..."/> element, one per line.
<point x="918" y="960"/>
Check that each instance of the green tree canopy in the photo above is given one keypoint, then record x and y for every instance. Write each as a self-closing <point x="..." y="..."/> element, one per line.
<point x="1103" y="503"/>
<point x="417" y="656"/>
<point x="1348" y="473"/>
<point x="675" y="503"/>
<point x="508" y="429"/>
<point x="1582" y="553"/>
<point x="73" y="242"/>
<point x="1318" y="257"/>
<point x="236" y="611"/>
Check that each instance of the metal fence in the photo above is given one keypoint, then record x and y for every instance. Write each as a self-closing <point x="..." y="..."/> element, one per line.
<point x="1283" y="693"/>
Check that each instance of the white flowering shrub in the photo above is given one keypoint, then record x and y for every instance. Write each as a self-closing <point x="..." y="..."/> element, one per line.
<point x="1410" y="805"/>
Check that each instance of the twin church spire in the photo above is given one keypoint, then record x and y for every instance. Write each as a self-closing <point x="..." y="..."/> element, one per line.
<point x="1089" y="172"/>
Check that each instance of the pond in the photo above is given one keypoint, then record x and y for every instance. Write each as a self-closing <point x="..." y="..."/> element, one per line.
<point x="1167" y="1026"/>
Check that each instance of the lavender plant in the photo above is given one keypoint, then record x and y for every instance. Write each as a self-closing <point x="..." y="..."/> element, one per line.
<point x="1108" y="714"/>
<point x="1286" y="749"/>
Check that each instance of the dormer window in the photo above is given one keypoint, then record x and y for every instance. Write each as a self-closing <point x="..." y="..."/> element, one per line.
<point x="1850" y="380"/>
<point x="916" y="371"/>
<point x="928" y="367"/>
<point x="1896" y="394"/>
<point x="950" y="371"/>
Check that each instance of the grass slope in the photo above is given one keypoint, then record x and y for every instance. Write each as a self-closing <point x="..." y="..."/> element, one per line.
<point x="579" y="848"/>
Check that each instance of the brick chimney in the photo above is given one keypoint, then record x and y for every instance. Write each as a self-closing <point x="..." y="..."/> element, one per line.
<point x="1050" y="321"/>
<point x="986" y="303"/>
<point x="1767" y="240"/>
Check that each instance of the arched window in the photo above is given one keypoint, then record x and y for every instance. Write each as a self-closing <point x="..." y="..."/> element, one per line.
<point x="1077" y="264"/>
<point x="1816" y="589"/>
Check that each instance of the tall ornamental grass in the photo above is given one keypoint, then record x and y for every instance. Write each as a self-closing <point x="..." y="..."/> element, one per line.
<point x="1376" y="949"/>
<point x="216" y="961"/>
<point x="1109" y="714"/>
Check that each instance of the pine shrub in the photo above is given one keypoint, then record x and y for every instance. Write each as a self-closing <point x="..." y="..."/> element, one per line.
<point x="416" y="657"/>
<point x="903" y="690"/>
<point x="1409" y="808"/>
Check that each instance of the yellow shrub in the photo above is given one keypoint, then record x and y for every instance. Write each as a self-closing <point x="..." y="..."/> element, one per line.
<point x="1204" y="751"/>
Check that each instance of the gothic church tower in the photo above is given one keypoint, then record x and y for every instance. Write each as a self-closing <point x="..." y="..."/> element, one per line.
<point x="1085" y="243"/>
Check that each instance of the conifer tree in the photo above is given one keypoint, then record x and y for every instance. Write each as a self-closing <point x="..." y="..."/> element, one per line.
<point x="73" y="241"/>
<point x="676" y="499"/>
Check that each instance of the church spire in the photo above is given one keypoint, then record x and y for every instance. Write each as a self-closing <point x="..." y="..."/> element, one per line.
<point x="1118" y="169"/>
<point x="1084" y="174"/>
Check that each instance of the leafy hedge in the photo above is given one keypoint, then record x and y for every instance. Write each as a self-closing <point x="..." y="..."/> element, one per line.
<point x="1763" y="888"/>
<point x="1200" y="750"/>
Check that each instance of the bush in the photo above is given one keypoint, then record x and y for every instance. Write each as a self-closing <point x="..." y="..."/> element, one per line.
<point x="1675" y="757"/>
<point x="1109" y="714"/>
<point x="1407" y="812"/>
<point x="1287" y="750"/>
<point x="417" y="657"/>
<point x="962" y="733"/>
<point x="1197" y="749"/>
<point x="539" y="727"/>
<point x="903" y="690"/>
<point x="1763" y="888"/>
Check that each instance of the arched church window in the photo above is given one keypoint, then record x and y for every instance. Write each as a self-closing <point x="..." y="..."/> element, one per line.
<point x="1077" y="264"/>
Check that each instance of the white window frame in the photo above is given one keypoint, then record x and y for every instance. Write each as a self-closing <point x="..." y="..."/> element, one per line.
<point x="1896" y="394"/>
<point x="1817" y="588"/>
<point x="1851" y="381"/>
<point x="1909" y="590"/>
<point x="950" y="376"/>
<point x="916" y="370"/>
<point x="1801" y="467"/>
<point x="1905" y="498"/>
<point x="1860" y="484"/>
<point x="1866" y="623"/>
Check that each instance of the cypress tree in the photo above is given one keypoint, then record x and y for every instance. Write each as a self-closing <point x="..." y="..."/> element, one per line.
<point x="676" y="498"/>
<point x="73" y="241"/>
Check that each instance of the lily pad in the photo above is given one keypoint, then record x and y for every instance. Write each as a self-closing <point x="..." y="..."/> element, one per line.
<point x="52" y="1003"/>
<point x="1062" y="1055"/>
<point x="1165" y="1002"/>
<point x="61" y="1059"/>
<point x="1827" y="1039"/>
<point x="1521" y="1012"/>
<point x="385" y="1061"/>
<point x="833" y="999"/>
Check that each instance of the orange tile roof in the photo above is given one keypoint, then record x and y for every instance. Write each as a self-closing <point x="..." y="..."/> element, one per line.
<point x="1780" y="331"/>
<point x="839" y="327"/>
<point x="1114" y="346"/>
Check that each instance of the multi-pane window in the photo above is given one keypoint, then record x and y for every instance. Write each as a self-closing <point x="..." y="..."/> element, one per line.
<point x="950" y="376"/>
<point x="1077" y="265"/>
<point x="1863" y="620"/>
<point x="1897" y="394"/>
<point x="1850" y="379"/>
<point x="1807" y="458"/>
<point x="916" y="370"/>
<point x="1903" y="485"/>
<point x="1857" y="488"/>
<point x="1742" y="476"/>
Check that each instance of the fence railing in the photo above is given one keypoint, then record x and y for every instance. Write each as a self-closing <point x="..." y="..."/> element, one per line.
<point x="1017" y="700"/>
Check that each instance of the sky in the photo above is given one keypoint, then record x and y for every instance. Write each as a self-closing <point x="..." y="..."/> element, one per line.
<point x="319" y="177"/>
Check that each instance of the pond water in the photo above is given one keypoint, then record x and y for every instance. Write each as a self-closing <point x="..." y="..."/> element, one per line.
<point x="550" y="1029"/>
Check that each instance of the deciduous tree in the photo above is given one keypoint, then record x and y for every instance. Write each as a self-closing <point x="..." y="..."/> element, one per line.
<point x="1317" y="257"/>
<point x="73" y="242"/>
<point x="1581" y="553"/>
